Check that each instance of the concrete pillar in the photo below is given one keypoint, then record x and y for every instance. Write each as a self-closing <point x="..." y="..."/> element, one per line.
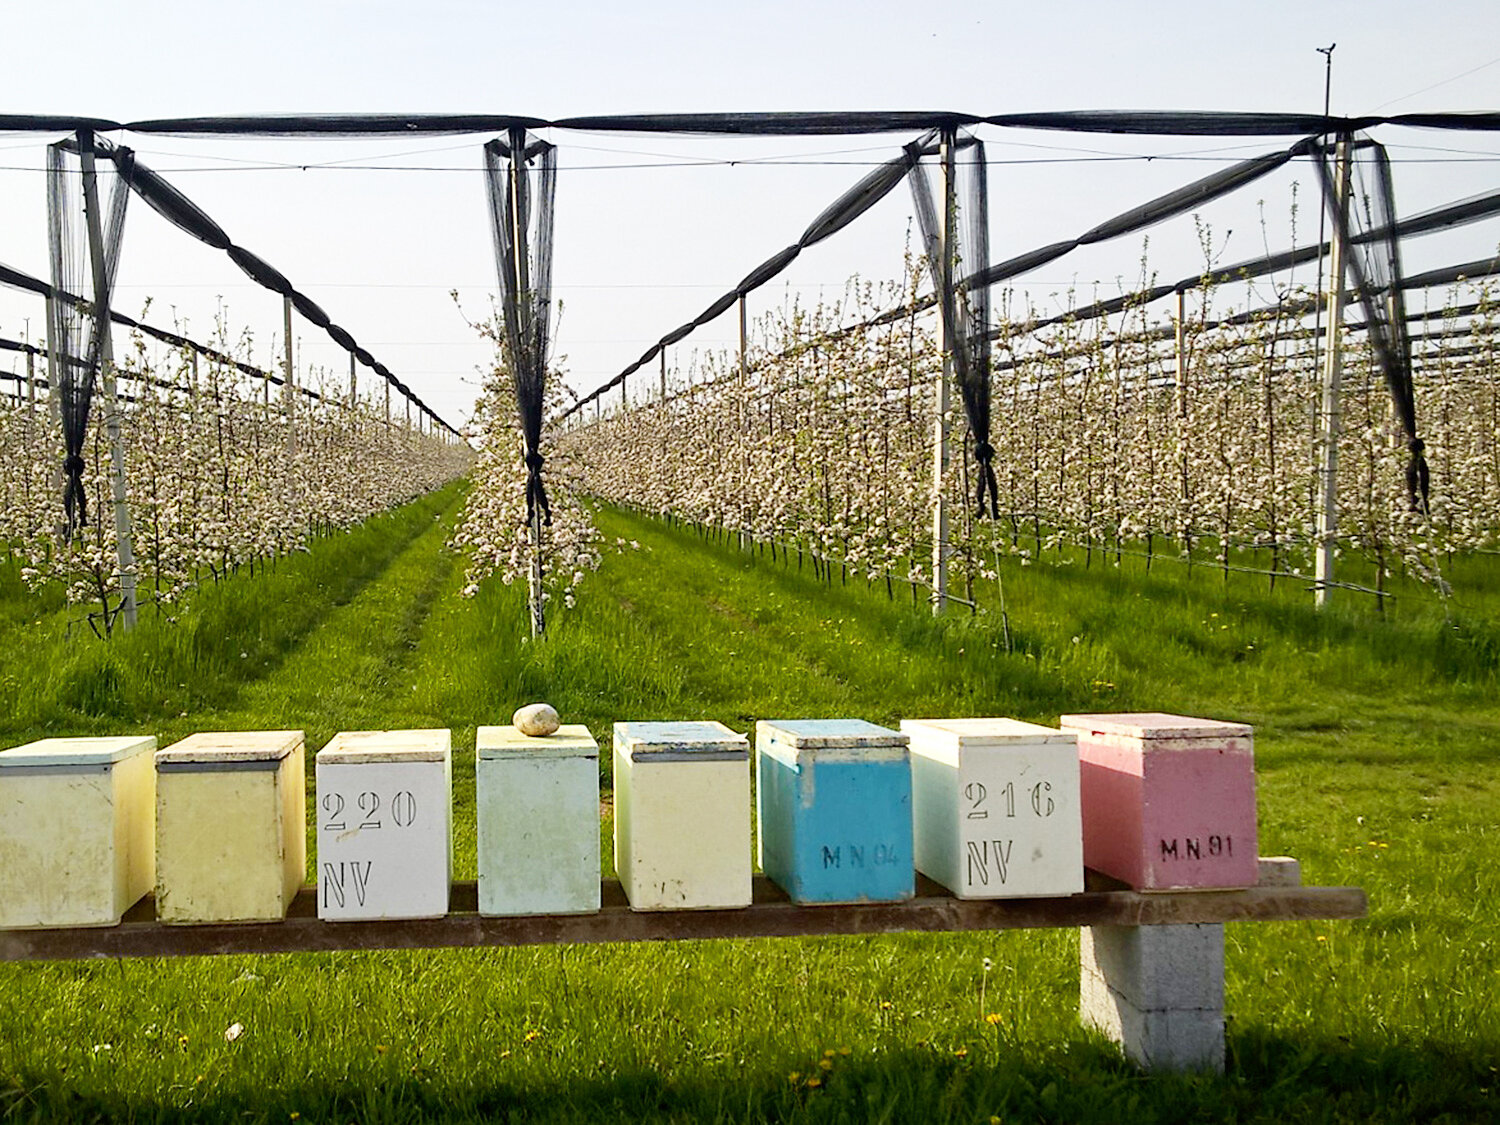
<point x="1158" y="991"/>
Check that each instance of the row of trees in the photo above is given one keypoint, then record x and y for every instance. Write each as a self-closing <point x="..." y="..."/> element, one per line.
<point x="823" y="442"/>
<point x="220" y="476"/>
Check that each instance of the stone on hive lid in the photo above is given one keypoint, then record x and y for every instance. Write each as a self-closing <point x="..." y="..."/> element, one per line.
<point x="536" y="719"/>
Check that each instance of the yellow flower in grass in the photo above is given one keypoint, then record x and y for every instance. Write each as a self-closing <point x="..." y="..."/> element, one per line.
<point x="994" y="1018"/>
<point x="814" y="1083"/>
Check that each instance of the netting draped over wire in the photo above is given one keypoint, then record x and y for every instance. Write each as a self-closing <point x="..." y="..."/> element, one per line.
<point x="1373" y="261"/>
<point x="521" y="177"/>
<point x="965" y="307"/>
<point x="78" y="328"/>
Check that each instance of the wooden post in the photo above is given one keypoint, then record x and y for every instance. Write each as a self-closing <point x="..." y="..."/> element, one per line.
<point x="946" y="333"/>
<point x="1328" y="415"/>
<point x="353" y="383"/>
<point x="388" y="403"/>
<point x="664" y="374"/>
<point x="124" y="547"/>
<point x="1182" y="413"/>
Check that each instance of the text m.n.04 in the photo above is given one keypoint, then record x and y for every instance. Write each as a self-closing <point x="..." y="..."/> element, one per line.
<point x="1196" y="847"/>
<point x="858" y="855"/>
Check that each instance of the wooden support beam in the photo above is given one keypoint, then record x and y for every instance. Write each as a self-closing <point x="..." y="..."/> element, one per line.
<point x="771" y="915"/>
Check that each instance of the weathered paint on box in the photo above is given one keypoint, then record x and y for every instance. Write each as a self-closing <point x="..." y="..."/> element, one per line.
<point x="537" y="801"/>
<point x="833" y="799"/>
<point x="385" y="824"/>
<point x="231" y="826"/>
<point x="1168" y="800"/>
<point x="77" y="830"/>
<point x="682" y="815"/>
<point x="996" y="807"/>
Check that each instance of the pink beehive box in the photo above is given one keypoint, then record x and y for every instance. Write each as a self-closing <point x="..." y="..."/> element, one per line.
<point x="1168" y="801"/>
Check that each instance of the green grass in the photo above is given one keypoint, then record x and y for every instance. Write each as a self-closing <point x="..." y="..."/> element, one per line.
<point x="1375" y="753"/>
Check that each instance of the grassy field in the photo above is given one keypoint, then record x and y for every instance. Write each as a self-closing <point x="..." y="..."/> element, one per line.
<point x="1375" y="748"/>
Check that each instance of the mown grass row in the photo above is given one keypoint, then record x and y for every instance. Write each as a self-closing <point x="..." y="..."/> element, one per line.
<point x="1375" y="743"/>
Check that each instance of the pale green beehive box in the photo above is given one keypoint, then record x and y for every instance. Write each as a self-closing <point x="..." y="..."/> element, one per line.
<point x="231" y="836"/>
<point x="76" y="830"/>
<point x="537" y="798"/>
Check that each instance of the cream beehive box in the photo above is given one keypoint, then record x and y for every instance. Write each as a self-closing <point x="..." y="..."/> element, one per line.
<point x="385" y="824"/>
<point x="77" y="825"/>
<point x="682" y="815"/>
<point x="1168" y="800"/>
<point x="231" y="826"/>
<point x="833" y="798"/>
<point x="537" y="800"/>
<point x="996" y="807"/>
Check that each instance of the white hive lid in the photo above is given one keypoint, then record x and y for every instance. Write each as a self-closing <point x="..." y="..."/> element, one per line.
<point x="985" y="732"/>
<point x="351" y="747"/>
<point x="680" y="742"/>
<point x="820" y="734"/>
<point x="571" y="740"/>
<point x="230" y="749"/>
<point x="1156" y="725"/>
<point x="81" y="753"/>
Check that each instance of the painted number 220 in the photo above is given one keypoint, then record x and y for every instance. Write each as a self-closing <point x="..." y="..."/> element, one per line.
<point x="403" y="811"/>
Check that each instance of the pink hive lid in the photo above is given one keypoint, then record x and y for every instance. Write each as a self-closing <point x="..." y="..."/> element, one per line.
<point x="1156" y="725"/>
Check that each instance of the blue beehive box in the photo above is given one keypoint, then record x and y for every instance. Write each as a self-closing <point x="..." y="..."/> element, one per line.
<point x="833" y="798"/>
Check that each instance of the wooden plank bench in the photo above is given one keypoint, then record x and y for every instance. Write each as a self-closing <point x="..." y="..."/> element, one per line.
<point x="1151" y="965"/>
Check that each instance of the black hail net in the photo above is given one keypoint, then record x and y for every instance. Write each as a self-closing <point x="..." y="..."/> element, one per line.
<point x="1374" y="268"/>
<point x="76" y="332"/>
<point x="966" y="306"/>
<point x="521" y="177"/>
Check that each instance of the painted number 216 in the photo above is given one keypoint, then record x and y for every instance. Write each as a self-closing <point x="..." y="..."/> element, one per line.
<point x="1040" y="795"/>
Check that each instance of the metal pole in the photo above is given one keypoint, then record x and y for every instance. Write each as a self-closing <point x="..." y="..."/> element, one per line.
<point x="946" y="313"/>
<point x="664" y="374"/>
<point x="124" y="548"/>
<point x="353" y="383"/>
<point x="1328" y="416"/>
<point x="1182" y="411"/>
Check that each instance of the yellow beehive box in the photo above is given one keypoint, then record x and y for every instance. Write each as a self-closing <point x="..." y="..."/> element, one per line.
<point x="231" y="836"/>
<point x="76" y="829"/>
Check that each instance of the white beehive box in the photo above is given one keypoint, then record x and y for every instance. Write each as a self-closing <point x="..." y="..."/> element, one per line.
<point x="77" y="831"/>
<point x="537" y="800"/>
<point x="682" y="815"/>
<point x="231" y="826"/>
<point x="384" y="816"/>
<point x="995" y="807"/>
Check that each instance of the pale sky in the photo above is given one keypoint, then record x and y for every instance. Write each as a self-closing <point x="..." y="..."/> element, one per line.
<point x="651" y="228"/>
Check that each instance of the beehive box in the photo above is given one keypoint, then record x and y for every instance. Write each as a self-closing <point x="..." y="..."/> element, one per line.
<point x="231" y="826"/>
<point x="537" y="800"/>
<point x="996" y="807"/>
<point x="682" y="815"/>
<point x="77" y="831"/>
<point x="385" y="817"/>
<point x="1168" y="800"/>
<point x="833" y="801"/>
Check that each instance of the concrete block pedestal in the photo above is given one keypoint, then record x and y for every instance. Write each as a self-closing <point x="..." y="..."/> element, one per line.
<point x="1158" y="991"/>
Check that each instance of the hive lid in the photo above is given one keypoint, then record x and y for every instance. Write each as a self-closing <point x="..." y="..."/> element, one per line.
<point x="1156" y="725"/>
<point x="350" y="747"/>
<point x="78" y="753"/>
<point x="819" y="734"/>
<point x="680" y="742"/>
<point x="985" y="732"/>
<point x="572" y="740"/>
<point x="242" y="749"/>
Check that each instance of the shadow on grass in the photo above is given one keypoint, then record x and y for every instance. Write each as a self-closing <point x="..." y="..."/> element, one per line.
<point x="1270" y="1078"/>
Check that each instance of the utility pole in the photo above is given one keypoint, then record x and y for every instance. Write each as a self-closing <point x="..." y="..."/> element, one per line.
<point x="124" y="548"/>
<point x="947" y="315"/>
<point x="1328" y="415"/>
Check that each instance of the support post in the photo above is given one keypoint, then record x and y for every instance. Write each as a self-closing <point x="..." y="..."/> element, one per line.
<point x="523" y="302"/>
<point x="664" y="374"/>
<point x="288" y="388"/>
<point x="946" y="333"/>
<point x="387" y="403"/>
<point x="1182" y="413"/>
<point x="1333" y="370"/>
<point x="353" y="383"/>
<point x="124" y="547"/>
<point x="744" y="390"/>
